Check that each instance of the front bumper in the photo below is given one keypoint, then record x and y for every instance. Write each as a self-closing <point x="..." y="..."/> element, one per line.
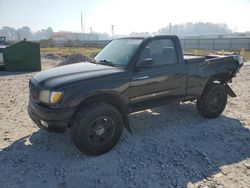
<point x="57" y="120"/>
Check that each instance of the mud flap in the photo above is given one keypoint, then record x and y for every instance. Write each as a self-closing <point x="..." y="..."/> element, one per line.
<point x="126" y="123"/>
<point x="229" y="90"/>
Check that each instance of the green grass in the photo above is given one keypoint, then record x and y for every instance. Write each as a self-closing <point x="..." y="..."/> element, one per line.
<point x="65" y="51"/>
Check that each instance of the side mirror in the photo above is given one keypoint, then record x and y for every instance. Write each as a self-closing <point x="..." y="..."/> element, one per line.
<point x="146" y="63"/>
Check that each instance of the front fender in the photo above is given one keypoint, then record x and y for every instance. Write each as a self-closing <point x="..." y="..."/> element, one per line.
<point x="229" y="90"/>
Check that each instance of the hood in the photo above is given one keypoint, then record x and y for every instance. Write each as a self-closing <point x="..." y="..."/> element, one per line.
<point x="66" y="74"/>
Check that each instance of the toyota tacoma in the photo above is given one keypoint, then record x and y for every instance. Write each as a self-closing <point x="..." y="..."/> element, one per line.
<point x="93" y="99"/>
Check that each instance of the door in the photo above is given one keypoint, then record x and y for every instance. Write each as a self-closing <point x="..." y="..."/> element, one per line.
<point x="158" y="75"/>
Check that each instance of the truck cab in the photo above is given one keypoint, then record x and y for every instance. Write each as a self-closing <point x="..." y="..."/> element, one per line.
<point x="159" y="73"/>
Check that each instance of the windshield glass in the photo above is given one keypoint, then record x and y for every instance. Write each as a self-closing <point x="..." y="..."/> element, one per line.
<point x="118" y="52"/>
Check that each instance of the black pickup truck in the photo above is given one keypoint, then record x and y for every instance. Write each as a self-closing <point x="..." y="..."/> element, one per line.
<point x="94" y="98"/>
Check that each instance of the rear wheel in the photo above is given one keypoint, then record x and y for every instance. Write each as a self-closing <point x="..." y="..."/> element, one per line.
<point x="96" y="128"/>
<point x="213" y="101"/>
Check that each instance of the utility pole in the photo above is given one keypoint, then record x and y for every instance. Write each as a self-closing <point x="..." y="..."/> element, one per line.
<point x="81" y="23"/>
<point x="170" y="28"/>
<point x="113" y="31"/>
<point x="235" y="29"/>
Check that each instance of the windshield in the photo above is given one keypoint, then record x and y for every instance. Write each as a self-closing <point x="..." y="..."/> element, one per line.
<point x="118" y="52"/>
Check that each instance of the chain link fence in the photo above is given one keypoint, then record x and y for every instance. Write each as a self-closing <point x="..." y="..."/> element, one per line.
<point x="217" y="44"/>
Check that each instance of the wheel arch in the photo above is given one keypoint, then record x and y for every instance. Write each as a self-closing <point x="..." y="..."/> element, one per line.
<point x="220" y="78"/>
<point x="110" y="98"/>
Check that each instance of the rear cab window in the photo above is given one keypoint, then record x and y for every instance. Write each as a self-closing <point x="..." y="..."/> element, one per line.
<point x="161" y="51"/>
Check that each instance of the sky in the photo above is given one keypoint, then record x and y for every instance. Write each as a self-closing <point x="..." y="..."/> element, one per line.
<point x="127" y="15"/>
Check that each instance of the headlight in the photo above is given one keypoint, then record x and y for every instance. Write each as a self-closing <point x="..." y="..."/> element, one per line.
<point x="50" y="97"/>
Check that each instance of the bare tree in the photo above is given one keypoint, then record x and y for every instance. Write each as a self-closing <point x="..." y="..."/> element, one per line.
<point x="200" y="28"/>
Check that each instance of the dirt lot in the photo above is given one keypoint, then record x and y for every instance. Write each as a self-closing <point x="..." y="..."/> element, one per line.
<point x="171" y="146"/>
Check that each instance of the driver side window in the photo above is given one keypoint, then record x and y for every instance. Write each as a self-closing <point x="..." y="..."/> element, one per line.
<point x="161" y="52"/>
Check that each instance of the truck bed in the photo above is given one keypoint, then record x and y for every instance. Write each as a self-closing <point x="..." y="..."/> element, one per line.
<point x="196" y="58"/>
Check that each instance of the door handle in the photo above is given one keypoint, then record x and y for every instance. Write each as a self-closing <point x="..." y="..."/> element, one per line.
<point x="141" y="78"/>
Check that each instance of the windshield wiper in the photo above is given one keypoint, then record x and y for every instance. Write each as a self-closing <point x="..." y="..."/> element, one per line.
<point x="107" y="62"/>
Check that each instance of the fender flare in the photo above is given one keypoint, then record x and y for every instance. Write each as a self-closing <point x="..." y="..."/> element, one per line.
<point x="111" y="98"/>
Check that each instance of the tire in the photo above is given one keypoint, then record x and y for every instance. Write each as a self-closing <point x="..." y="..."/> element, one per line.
<point x="213" y="101"/>
<point x="96" y="128"/>
<point x="57" y="129"/>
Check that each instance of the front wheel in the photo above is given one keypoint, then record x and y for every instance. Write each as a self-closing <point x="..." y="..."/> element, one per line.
<point x="96" y="128"/>
<point x="213" y="101"/>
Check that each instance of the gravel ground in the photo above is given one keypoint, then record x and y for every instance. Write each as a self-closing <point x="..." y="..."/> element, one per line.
<point x="171" y="146"/>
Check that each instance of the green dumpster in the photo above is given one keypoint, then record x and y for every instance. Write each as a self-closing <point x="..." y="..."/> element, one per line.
<point x="1" y="55"/>
<point x="22" y="56"/>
